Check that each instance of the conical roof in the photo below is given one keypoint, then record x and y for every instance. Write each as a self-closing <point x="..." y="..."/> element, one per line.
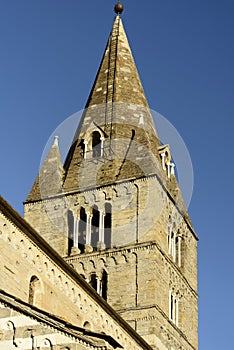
<point x="117" y="79"/>
<point x="50" y="178"/>
<point x="118" y="110"/>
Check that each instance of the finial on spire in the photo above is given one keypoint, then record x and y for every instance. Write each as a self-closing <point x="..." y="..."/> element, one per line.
<point x="118" y="8"/>
<point x="56" y="141"/>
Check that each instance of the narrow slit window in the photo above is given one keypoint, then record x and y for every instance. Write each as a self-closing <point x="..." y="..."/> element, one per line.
<point x="96" y="144"/>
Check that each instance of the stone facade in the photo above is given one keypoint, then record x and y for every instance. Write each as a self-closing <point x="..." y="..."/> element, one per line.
<point x="34" y="273"/>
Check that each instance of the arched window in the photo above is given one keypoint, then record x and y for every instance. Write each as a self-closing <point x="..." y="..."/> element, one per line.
<point x="104" y="281"/>
<point x="93" y="280"/>
<point x="174" y="245"/>
<point x="47" y="344"/>
<point x="35" y="291"/>
<point x="96" y="144"/>
<point x="108" y="225"/>
<point x="70" y="221"/>
<point x="95" y="228"/>
<point x="82" y="229"/>
<point x="173" y="308"/>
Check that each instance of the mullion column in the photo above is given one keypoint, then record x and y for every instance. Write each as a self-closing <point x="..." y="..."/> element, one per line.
<point x="101" y="243"/>
<point x="88" y="228"/>
<point x="76" y="232"/>
<point x="88" y="247"/>
<point x="75" y="247"/>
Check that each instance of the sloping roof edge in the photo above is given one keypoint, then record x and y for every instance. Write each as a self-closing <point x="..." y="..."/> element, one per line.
<point x="55" y="322"/>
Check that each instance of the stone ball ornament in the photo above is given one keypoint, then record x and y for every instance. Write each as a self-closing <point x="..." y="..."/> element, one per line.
<point x="118" y="8"/>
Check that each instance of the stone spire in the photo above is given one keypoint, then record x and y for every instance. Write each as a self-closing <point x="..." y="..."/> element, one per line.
<point x="49" y="180"/>
<point x="117" y="79"/>
<point x="118" y="110"/>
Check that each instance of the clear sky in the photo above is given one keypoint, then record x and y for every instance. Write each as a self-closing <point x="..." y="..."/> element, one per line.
<point x="184" y="50"/>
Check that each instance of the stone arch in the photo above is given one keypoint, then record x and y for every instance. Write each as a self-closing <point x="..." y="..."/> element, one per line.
<point x="46" y="267"/>
<point x="115" y="192"/>
<point x="46" y="344"/>
<point x="35" y="291"/>
<point x="94" y="198"/>
<point x="111" y="261"/>
<point x="124" y="258"/>
<point x="80" y="267"/>
<point x="87" y="326"/>
<point x="107" y="194"/>
<point x="126" y="189"/>
<point x="92" y="265"/>
<point x="101" y="263"/>
<point x="133" y="256"/>
<point x="11" y="327"/>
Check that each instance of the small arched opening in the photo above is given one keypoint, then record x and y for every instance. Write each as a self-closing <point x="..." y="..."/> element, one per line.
<point x="104" y="284"/>
<point x="82" y="148"/>
<point x="96" y="144"/>
<point x="82" y="229"/>
<point x="35" y="291"/>
<point x="87" y="326"/>
<point x="108" y="225"/>
<point x="95" y="228"/>
<point x="70" y="222"/>
<point x="93" y="280"/>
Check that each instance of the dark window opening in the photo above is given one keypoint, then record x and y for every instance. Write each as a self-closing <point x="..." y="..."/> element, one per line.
<point x="108" y="225"/>
<point x="34" y="287"/>
<point x="172" y="307"/>
<point x="104" y="285"/>
<point x="82" y="148"/>
<point x="93" y="281"/>
<point x="82" y="229"/>
<point x="70" y="220"/>
<point x="95" y="228"/>
<point x="96" y="144"/>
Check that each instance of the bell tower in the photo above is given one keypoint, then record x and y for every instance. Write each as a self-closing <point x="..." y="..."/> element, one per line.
<point x="114" y="209"/>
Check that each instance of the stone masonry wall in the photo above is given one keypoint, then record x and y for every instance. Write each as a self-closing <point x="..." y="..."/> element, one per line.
<point x="59" y="294"/>
<point x="143" y="212"/>
<point x="139" y="280"/>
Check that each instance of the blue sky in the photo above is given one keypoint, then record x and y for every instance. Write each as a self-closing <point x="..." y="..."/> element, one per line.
<point x="184" y="50"/>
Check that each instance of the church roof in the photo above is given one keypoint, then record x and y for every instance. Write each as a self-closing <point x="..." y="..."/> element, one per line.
<point x="89" y="338"/>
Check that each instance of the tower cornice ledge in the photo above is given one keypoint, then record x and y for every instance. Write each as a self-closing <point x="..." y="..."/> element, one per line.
<point x="153" y="317"/>
<point x="133" y="248"/>
<point x="180" y="206"/>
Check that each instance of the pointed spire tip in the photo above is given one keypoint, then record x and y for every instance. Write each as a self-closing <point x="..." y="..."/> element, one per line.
<point x="56" y="141"/>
